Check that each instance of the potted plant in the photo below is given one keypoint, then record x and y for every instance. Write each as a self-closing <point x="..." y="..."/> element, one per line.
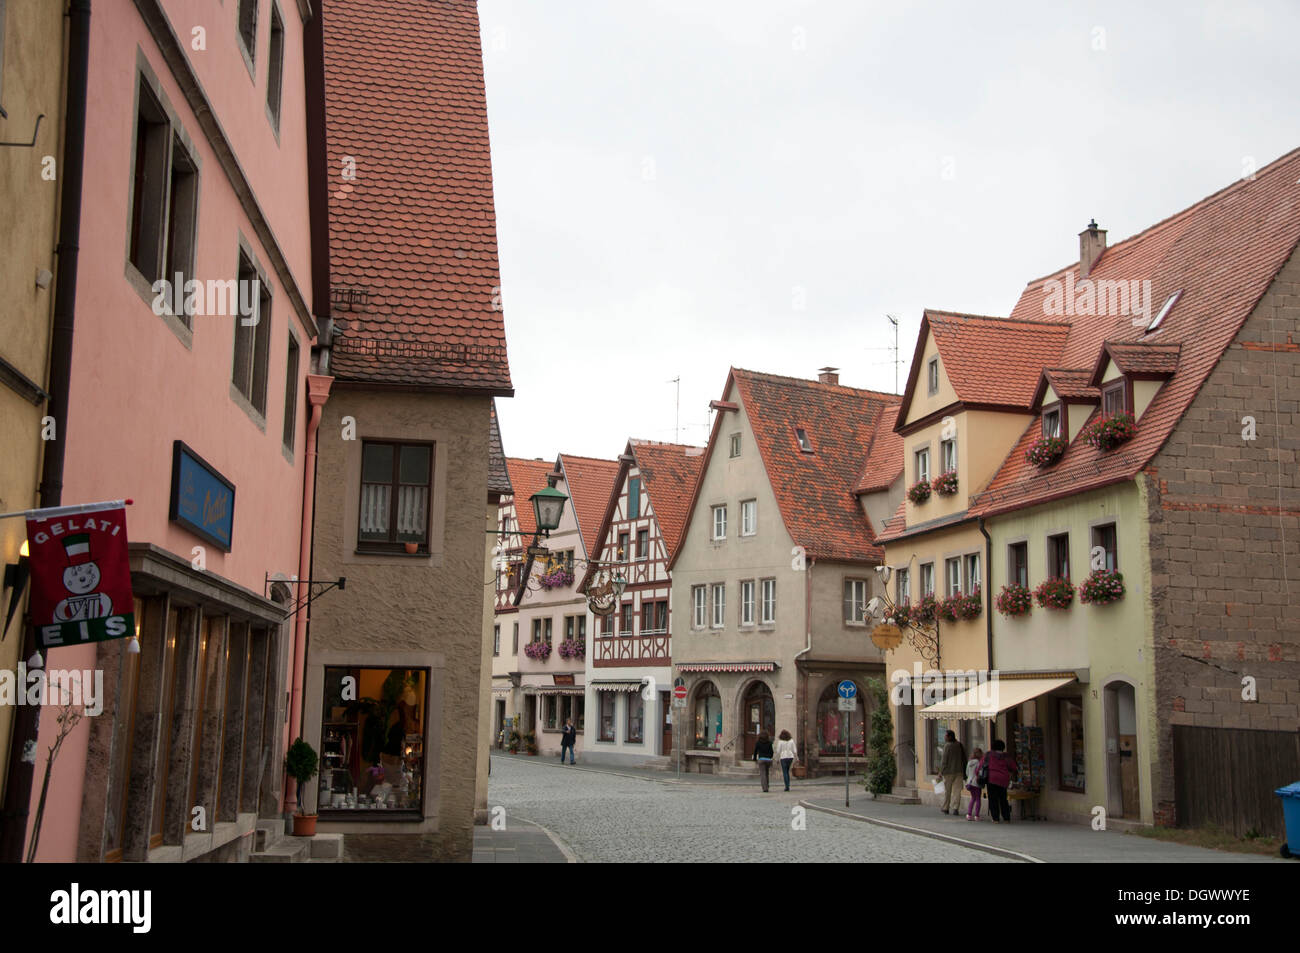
<point x="1102" y="587"/>
<point x="1054" y="594"/>
<point x="512" y="744"/>
<point x="1045" y="451"/>
<point x="573" y="648"/>
<point x="919" y="491"/>
<point x="1107" y="433"/>
<point x="530" y="742"/>
<point x="412" y="548"/>
<point x="556" y="578"/>
<point x="300" y="764"/>
<point x="945" y="484"/>
<point x="946" y="609"/>
<point x="970" y="605"/>
<point x="1015" y="600"/>
<point x="540" y="651"/>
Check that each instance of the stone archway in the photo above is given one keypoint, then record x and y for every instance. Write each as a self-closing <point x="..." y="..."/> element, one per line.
<point x="757" y="714"/>
<point x="1120" y="720"/>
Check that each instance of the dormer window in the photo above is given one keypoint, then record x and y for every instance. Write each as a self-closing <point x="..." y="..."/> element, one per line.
<point x="1164" y="311"/>
<point x="1052" y="422"/>
<point x="1114" y="397"/>
<point x="932" y="376"/>
<point x="805" y="444"/>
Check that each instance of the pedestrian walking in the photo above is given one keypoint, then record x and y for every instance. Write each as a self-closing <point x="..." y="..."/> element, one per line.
<point x="567" y="740"/>
<point x="973" y="784"/>
<point x="787" y="754"/>
<point x="763" y="755"/>
<point x="999" y="768"/>
<point x="951" y="770"/>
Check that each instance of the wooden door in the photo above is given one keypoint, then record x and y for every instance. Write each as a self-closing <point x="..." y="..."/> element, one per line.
<point x="666" y="722"/>
<point x="759" y="714"/>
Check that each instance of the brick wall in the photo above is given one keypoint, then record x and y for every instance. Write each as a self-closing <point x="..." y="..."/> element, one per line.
<point x="1225" y="540"/>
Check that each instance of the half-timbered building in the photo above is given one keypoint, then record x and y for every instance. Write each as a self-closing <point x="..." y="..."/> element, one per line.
<point x="629" y="674"/>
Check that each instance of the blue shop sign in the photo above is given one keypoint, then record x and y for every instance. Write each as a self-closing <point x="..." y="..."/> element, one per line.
<point x="203" y="501"/>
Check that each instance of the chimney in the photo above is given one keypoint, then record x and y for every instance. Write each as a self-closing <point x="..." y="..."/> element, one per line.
<point x="1092" y="242"/>
<point x="828" y="375"/>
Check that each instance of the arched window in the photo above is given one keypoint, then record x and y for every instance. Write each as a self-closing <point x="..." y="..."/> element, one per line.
<point x="831" y="730"/>
<point x="708" y="716"/>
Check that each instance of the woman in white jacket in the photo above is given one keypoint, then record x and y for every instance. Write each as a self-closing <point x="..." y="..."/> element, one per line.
<point x="786" y="754"/>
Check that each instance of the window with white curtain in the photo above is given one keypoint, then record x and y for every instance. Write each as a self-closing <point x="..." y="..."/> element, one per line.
<point x="396" y="484"/>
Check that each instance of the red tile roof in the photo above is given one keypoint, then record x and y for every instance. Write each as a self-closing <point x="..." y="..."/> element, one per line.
<point x="1070" y="384"/>
<point x="669" y="472"/>
<point x="1138" y="358"/>
<point x="1221" y="253"/>
<point x="815" y="491"/>
<point x="590" y="483"/>
<point x="414" y="231"/>
<point x="526" y="478"/>
<point x="884" y="454"/>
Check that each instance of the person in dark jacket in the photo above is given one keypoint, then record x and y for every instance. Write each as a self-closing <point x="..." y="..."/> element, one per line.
<point x="763" y="755"/>
<point x="1001" y="768"/>
<point x="951" y="770"/>
<point x="567" y="740"/>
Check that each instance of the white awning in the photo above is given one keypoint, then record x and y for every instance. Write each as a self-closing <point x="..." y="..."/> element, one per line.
<point x="991" y="698"/>
<point x="616" y="685"/>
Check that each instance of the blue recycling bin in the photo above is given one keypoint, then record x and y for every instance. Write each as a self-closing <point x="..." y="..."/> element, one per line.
<point x="1290" y="795"/>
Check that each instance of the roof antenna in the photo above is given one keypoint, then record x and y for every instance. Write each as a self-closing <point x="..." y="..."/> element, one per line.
<point x="897" y="360"/>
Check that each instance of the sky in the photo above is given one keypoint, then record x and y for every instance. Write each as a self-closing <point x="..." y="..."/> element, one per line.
<point x="684" y="187"/>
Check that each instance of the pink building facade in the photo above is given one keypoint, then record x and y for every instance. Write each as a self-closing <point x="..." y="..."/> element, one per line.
<point x="196" y="164"/>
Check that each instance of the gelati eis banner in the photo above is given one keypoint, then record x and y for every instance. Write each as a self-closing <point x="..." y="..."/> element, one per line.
<point x="81" y="579"/>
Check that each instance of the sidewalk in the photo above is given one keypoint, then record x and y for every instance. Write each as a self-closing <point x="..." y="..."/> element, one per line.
<point x="1029" y="841"/>
<point x="669" y="776"/>
<point x="521" y="843"/>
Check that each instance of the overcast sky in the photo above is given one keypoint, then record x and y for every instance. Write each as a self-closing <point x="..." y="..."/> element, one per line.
<point x="686" y="186"/>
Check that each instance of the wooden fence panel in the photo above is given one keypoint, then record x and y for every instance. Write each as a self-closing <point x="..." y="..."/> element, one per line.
<point x="1227" y="776"/>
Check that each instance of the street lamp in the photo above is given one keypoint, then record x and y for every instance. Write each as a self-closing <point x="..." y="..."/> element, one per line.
<point x="548" y="507"/>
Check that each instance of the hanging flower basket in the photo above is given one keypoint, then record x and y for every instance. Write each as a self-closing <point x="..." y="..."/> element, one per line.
<point x="1054" y="594"/>
<point x="945" y="484"/>
<point x="919" y="491"/>
<point x="1102" y="588"/>
<point x="540" y="651"/>
<point x="925" y="611"/>
<point x="1046" y="451"/>
<point x="557" y="579"/>
<point x="573" y="648"/>
<point x="1015" y="600"/>
<point x="1107" y="433"/>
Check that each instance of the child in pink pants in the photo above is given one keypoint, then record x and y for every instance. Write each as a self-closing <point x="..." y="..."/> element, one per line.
<point x="973" y="786"/>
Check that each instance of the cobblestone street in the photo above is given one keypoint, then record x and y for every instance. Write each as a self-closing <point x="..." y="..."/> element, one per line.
<point x="605" y="817"/>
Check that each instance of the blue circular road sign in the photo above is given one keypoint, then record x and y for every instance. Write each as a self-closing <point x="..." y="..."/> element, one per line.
<point x="847" y="689"/>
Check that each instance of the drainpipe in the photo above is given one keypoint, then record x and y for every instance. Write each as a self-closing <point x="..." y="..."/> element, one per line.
<point x="988" y="606"/>
<point x="318" y="391"/>
<point x="807" y="627"/>
<point x="18" y="788"/>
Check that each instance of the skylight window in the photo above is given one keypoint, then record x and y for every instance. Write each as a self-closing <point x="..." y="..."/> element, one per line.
<point x="1164" y="311"/>
<point x="804" y="443"/>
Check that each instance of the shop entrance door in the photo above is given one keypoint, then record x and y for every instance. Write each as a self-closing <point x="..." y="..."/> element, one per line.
<point x="759" y="713"/>
<point x="500" y="721"/>
<point x="1120" y="718"/>
<point x="666" y="722"/>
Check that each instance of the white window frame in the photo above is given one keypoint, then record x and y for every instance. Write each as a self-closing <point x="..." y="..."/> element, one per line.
<point x="748" y="517"/>
<point x="932" y="376"/>
<point x="948" y="455"/>
<point x="767" y="612"/>
<point x="974" y="574"/>
<point x="719" y="605"/>
<point x="903" y="586"/>
<point x="856" y="602"/>
<point x="747" y="602"/>
<point x="735" y="445"/>
<point x="720" y="521"/>
<point x="922" y="472"/>
<point x="927" y="579"/>
<point x="700" y="600"/>
<point x="952" y="577"/>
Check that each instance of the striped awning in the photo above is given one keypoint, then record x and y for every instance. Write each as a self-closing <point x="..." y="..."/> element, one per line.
<point x="560" y="690"/>
<point x="728" y="667"/>
<point x="615" y="685"/>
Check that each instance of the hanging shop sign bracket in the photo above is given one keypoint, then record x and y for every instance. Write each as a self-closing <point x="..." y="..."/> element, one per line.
<point x="312" y="592"/>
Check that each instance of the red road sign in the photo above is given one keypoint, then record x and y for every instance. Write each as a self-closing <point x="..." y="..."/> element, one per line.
<point x="679" y="691"/>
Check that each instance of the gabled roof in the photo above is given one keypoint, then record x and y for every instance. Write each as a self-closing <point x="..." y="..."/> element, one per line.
<point x="970" y="345"/>
<point x="526" y="478"/>
<point x="1070" y="384"/>
<point x="814" y="491"/>
<point x="1222" y="253"/>
<point x="498" y="474"/>
<point x="1136" y="359"/>
<point x="590" y="483"/>
<point x="412" y="231"/>
<point x="669" y="472"/>
<point x="884" y="454"/>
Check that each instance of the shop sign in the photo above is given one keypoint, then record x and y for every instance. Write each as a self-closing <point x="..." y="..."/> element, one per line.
<point x="563" y="679"/>
<point x="887" y="636"/>
<point x="81" y="578"/>
<point x="203" y="501"/>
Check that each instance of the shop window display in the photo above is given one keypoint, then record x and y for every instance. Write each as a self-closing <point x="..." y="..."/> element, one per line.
<point x="372" y="740"/>
<point x="831" y="731"/>
<point x="1070" y="719"/>
<point x="606" y="716"/>
<point x="708" y="717"/>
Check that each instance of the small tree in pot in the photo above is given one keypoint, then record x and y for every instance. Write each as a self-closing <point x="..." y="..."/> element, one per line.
<point x="300" y="764"/>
